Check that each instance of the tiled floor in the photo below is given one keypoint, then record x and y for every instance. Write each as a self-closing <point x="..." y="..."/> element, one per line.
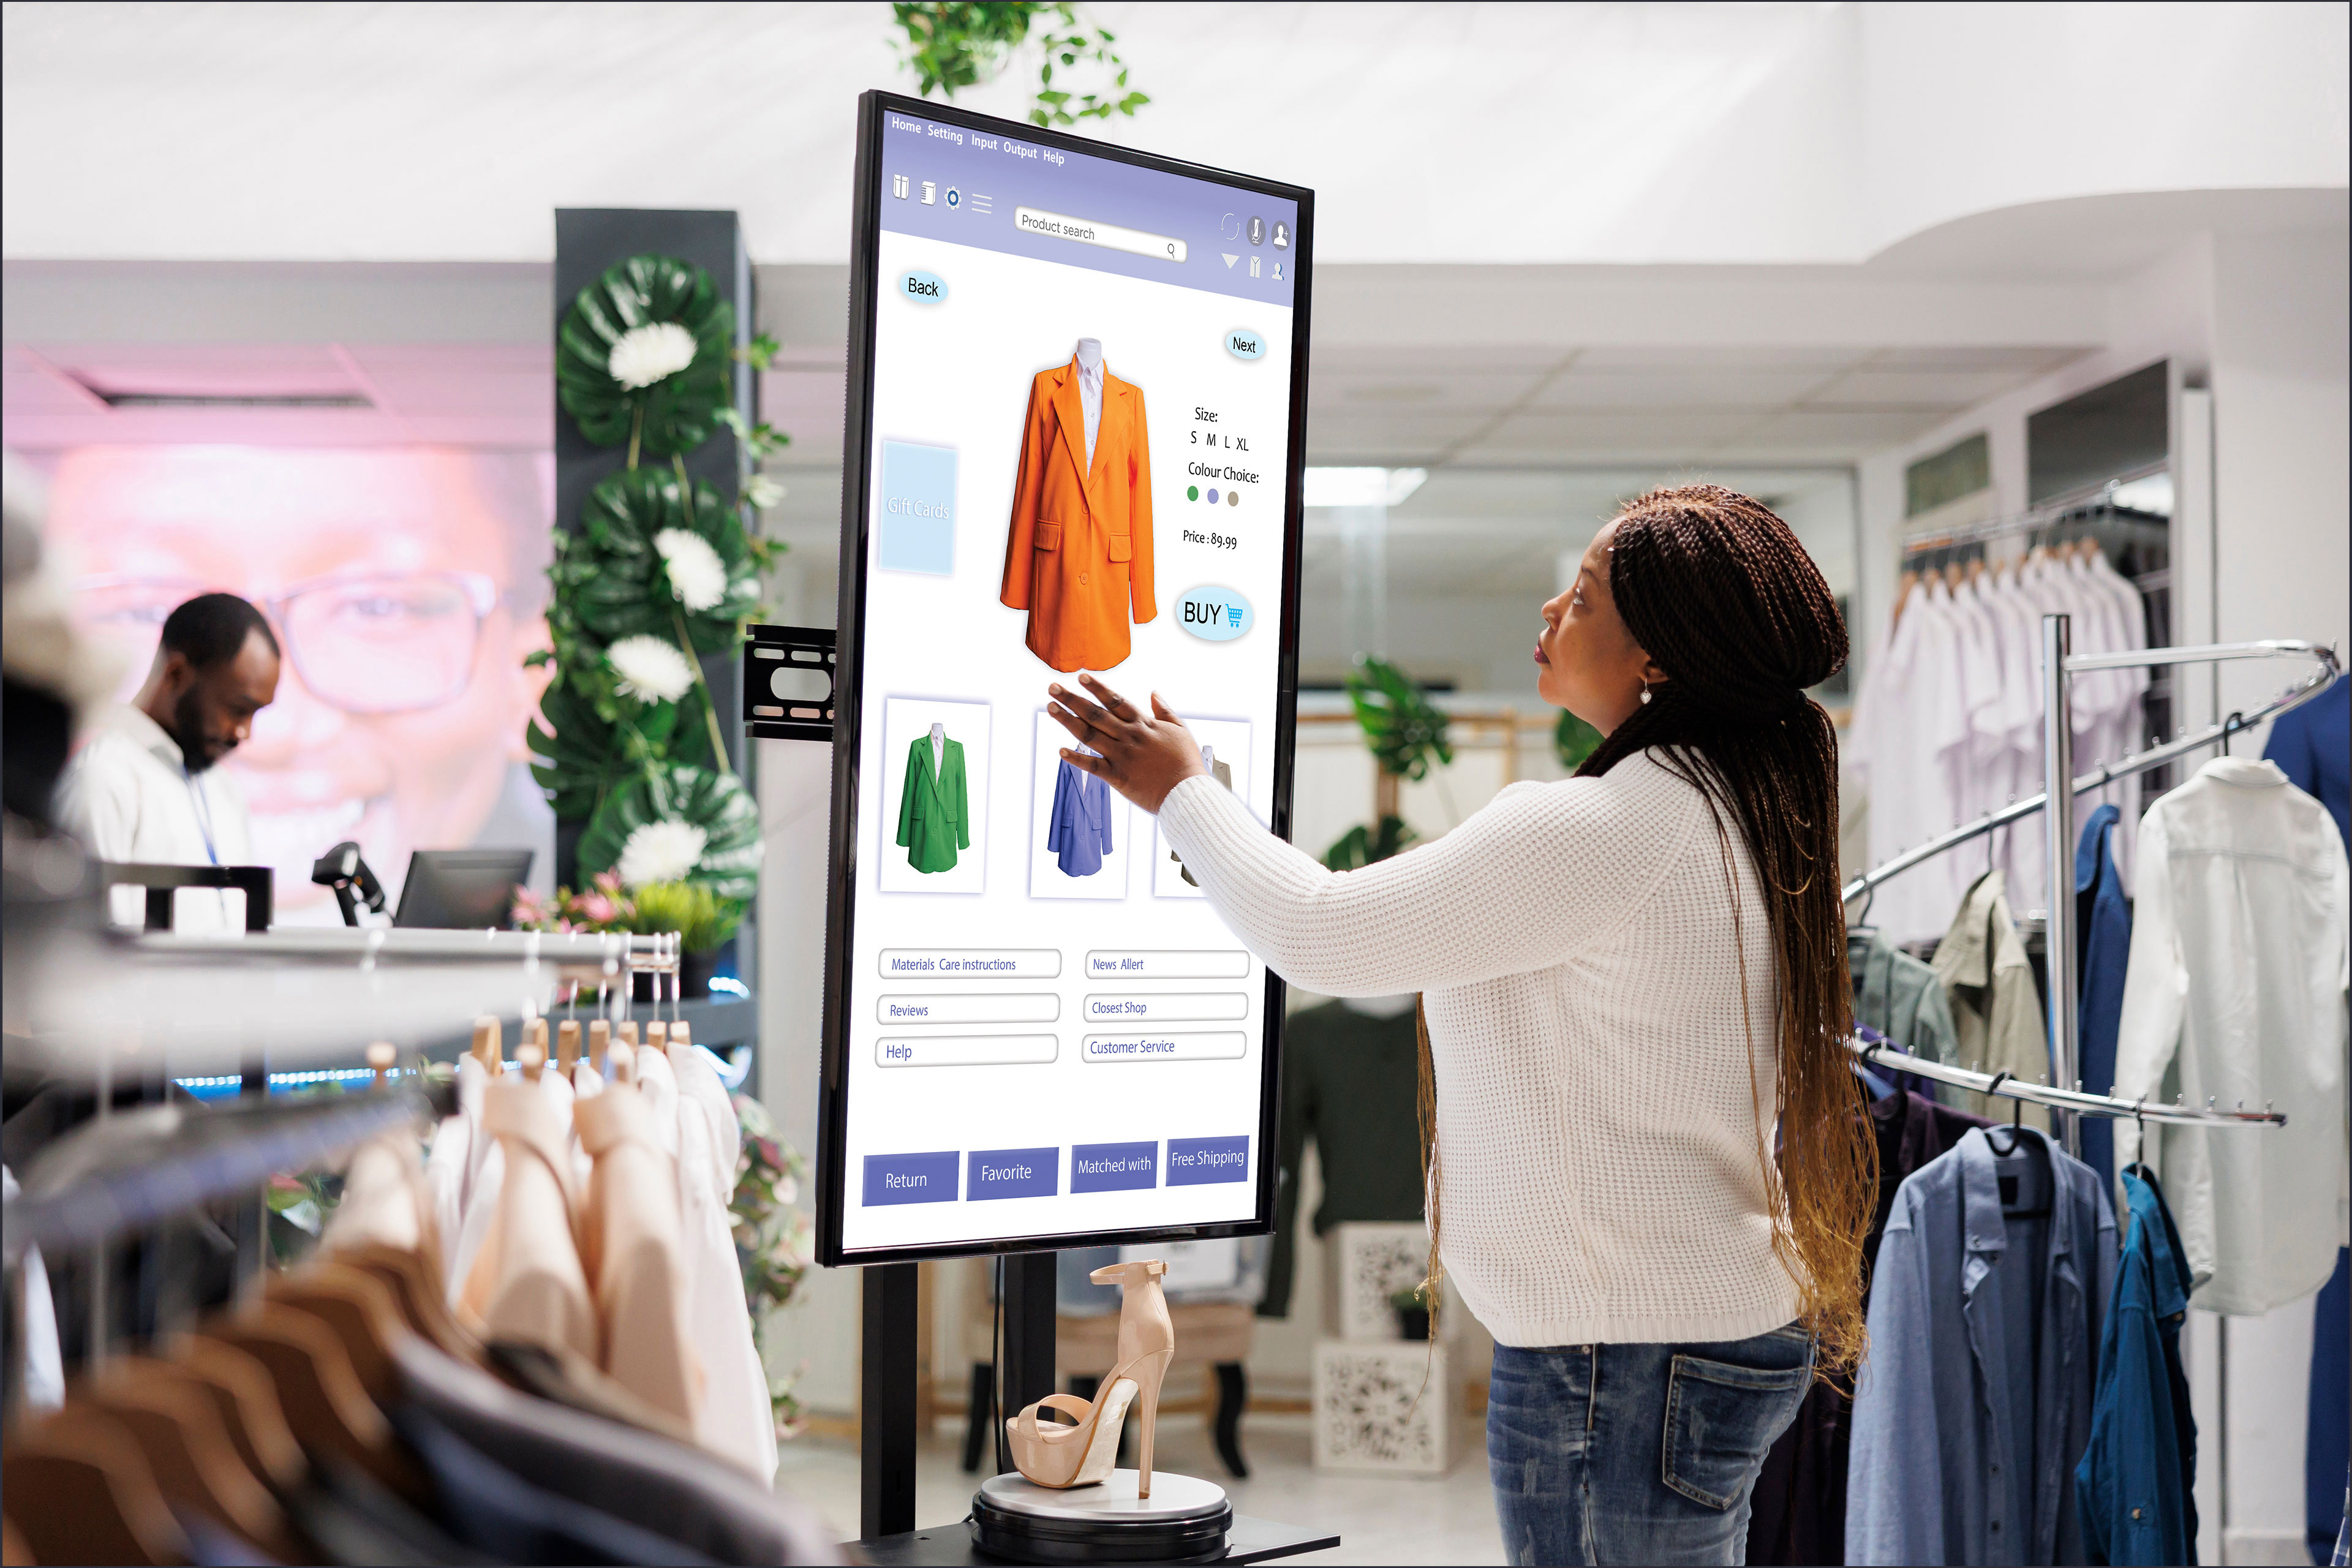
<point x="1379" y="1518"/>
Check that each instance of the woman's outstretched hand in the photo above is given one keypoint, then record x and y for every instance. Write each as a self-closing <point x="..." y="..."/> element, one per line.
<point x="1142" y="755"/>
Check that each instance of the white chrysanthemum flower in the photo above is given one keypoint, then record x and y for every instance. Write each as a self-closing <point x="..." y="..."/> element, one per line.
<point x="696" y="573"/>
<point x="649" y="354"/>
<point x="651" y="670"/>
<point x="762" y="492"/>
<point x="663" y="851"/>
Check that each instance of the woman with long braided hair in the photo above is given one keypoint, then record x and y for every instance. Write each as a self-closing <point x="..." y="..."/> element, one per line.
<point x="1649" y="1171"/>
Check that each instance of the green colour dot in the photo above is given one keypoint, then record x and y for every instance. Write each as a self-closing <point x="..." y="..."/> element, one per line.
<point x="1192" y="492"/>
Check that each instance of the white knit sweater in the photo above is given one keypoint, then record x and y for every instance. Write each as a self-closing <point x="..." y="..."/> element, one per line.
<point x="1598" y="1124"/>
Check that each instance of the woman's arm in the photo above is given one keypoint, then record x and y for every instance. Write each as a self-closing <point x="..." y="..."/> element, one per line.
<point x="1531" y="880"/>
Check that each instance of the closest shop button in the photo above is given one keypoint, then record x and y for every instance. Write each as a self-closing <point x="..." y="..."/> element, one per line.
<point x="910" y="1178"/>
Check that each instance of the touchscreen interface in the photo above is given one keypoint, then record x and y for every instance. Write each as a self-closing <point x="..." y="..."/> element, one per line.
<point x="1078" y="453"/>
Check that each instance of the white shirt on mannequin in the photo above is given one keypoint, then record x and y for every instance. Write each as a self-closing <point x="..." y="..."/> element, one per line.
<point x="1090" y="390"/>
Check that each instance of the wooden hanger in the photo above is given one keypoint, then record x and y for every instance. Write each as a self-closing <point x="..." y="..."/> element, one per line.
<point x="657" y="1035"/>
<point x="538" y="1036"/>
<point x="681" y="1035"/>
<point x="381" y="1056"/>
<point x="624" y="1061"/>
<point x="629" y="1034"/>
<point x="360" y="1311"/>
<point x="414" y="1280"/>
<point x="325" y="1404"/>
<point x="242" y="1396"/>
<point x="567" y="1046"/>
<point x="487" y="1049"/>
<point x="531" y="1056"/>
<point x="98" y="1500"/>
<point x="600" y="1040"/>
<point x="189" y="1452"/>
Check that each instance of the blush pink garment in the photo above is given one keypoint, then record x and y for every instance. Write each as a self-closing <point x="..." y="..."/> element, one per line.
<point x="527" y="1282"/>
<point x="632" y="1245"/>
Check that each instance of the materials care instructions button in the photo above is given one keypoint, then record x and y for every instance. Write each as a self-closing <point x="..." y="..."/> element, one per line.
<point x="970" y="962"/>
<point x="1197" y="1162"/>
<point x="1165" y="1047"/>
<point x="966" y="1051"/>
<point x="1114" y="963"/>
<point x="1162" y="1005"/>
<point x="1114" y="1167"/>
<point x="1013" y="1174"/>
<point x="982" y="1008"/>
<point x="910" y="1178"/>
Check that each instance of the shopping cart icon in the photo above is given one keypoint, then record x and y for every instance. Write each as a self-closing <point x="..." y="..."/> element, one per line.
<point x="1233" y="614"/>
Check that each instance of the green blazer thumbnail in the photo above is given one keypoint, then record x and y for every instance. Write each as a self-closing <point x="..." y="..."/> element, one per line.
<point x="934" y="817"/>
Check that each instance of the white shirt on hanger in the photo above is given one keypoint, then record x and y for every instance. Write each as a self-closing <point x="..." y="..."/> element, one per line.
<point x="2235" y="993"/>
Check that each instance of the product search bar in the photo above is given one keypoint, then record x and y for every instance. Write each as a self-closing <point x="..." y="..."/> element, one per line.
<point x="1109" y="236"/>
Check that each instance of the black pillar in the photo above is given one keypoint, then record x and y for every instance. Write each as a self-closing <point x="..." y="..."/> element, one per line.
<point x="587" y="241"/>
<point x="1028" y="1329"/>
<point x="886" y="1413"/>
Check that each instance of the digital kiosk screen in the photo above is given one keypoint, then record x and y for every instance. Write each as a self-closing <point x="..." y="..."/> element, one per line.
<point x="1077" y="382"/>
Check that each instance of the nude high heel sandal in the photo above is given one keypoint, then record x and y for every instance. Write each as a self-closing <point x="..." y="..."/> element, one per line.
<point x="1052" y="1454"/>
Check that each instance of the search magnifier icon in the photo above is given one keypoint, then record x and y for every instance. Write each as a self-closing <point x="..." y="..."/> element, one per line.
<point x="1172" y="247"/>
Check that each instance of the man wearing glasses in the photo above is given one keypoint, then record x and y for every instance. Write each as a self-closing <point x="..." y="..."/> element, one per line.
<point x="144" y="789"/>
<point x="403" y="584"/>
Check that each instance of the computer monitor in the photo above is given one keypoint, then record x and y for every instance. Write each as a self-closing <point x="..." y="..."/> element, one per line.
<point x="462" y="889"/>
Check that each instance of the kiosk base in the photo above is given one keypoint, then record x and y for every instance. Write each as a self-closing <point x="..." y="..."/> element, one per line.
<point x="1184" y="1521"/>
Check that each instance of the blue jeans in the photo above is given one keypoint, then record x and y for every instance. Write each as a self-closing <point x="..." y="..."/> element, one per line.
<point x="1637" y="1453"/>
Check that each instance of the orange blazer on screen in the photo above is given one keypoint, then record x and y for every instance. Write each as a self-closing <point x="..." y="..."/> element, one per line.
<point x="1078" y="558"/>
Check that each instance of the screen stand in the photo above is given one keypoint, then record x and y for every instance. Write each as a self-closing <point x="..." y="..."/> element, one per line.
<point x="886" y="1424"/>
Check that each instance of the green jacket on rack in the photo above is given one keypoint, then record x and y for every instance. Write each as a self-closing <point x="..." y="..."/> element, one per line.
<point x="934" y="817"/>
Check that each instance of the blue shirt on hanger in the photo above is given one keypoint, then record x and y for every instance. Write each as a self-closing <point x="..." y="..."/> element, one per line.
<point x="2103" y="930"/>
<point x="2135" y="1486"/>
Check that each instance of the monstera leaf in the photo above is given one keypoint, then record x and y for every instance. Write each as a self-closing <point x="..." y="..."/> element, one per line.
<point x="582" y="753"/>
<point x="618" y="582"/>
<point x="676" y="414"/>
<point x="716" y="803"/>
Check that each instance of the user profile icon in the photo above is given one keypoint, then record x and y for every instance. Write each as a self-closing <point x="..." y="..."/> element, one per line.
<point x="1281" y="235"/>
<point x="1257" y="231"/>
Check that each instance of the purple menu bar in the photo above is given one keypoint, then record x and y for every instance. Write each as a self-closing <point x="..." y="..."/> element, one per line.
<point x="1000" y="193"/>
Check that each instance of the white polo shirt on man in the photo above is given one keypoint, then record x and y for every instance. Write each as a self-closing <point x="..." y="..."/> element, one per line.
<point x="127" y="796"/>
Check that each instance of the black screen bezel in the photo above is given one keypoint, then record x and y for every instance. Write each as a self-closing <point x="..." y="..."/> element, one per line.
<point x="865" y="297"/>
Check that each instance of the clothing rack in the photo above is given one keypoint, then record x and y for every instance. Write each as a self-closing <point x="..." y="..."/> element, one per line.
<point x="2057" y="799"/>
<point x="1881" y="1054"/>
<point x="2074" y="507"/>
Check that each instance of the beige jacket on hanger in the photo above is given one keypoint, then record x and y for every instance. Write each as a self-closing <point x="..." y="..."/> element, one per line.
<point x="527" y="1282"/>
<point x="632" y="1241"/>
<point x="1996" y="1008"/>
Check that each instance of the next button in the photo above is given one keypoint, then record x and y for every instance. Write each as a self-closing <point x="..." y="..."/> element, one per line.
<point x="1013" y="1174"/>
<point x="910" y="1178"/>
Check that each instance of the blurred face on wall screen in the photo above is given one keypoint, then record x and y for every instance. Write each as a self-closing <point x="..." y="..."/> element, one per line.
<point x="405" y="588"/>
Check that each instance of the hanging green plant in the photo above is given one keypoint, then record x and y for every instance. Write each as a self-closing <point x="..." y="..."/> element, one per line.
<point x="642" y="358"/>
<point x="643" y="558"/>
<point x="677" y="823"/>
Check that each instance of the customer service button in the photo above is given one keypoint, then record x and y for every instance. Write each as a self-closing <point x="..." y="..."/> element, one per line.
<point x="910" y="1178"/>
<point x="1137" y="963"/>
<point x="970" y="962"/>
<point x="965" y="1050"/>
<point x="975" y="1007"/>
<point x="1163" y="1006"/>
<point x="1172" y="1046"/>
<point x="1198" y="1161"/>
<point x="1013" y="1174"/>
<point x="1114" y="1167"/>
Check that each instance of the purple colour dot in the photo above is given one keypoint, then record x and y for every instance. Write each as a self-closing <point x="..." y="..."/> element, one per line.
<point x="1212" y="498"/>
